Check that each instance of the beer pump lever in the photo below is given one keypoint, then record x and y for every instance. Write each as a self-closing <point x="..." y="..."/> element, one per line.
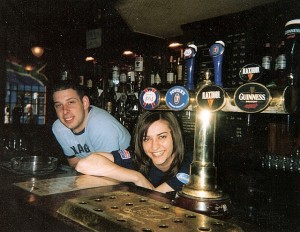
<point x="189" y="56"/>
<point x="216" y="51"/>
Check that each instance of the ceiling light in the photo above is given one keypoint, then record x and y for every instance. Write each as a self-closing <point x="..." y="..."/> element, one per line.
<point x="37" y="51"/>
<point x="175" y="45"/>
<point x="89" y="58"/>
<point x="127" y="53"/>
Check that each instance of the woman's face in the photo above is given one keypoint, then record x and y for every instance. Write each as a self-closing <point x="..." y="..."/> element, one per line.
<point x="70" y="109"/>
<point x="158" y="144"/>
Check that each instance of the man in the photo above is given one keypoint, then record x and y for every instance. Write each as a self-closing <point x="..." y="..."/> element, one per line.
<point x="82" y="129"/>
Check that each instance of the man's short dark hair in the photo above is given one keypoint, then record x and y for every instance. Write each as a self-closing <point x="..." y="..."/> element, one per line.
<point x="63" y="85"/>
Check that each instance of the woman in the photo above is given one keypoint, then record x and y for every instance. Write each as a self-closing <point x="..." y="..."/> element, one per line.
<point x="158" y="161"/>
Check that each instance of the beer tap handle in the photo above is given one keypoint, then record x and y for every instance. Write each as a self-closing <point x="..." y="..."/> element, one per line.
<point x="189" y="56"/>
<point x="216" y="51"/>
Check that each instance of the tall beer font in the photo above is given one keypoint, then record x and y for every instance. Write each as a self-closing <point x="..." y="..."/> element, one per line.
<point x="202" y="194"/>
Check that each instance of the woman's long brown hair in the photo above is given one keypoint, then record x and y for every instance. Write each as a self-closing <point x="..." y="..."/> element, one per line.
<point x="142" y="162"/>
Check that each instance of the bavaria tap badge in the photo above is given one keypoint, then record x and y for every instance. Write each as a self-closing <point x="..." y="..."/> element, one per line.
<point x="149" y="98"/>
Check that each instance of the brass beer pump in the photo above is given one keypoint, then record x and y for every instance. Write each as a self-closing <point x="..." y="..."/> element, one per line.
<point x="202" y="194"/>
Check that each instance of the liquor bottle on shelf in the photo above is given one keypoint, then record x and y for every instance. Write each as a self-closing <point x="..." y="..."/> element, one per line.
<point x="100" y="85"/>
<point x="81" y="80"/>
<point x="110" y="98"/>
<point x="122" y="88"/>
<point x="91" y="91"/>
<point x="170" y="74"/>
<point x="267" y="62"/>
<point x="116" y="76"/>
<point x="130" y="79"/>
<point x="132" y="109"/>
<point x="280" y="65"/>
<point x="292" y="48"/>
<point x="139" y="76"/>
<point x="152" y="77"/>
<point x="157" y="79"/>
<point x="179" y="71"/>
<point x="121" y="110"/>
<point x="157" y="82"/>
<point x="65" y="73"/>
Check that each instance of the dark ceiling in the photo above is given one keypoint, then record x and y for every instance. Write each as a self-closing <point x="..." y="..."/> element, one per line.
<point x="64" y="22"/>
<point x="55" y="23"/>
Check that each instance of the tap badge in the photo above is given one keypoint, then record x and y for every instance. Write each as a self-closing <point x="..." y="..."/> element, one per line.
<point x="216" y="49"/>
<point x="177" y="98"/>
<point x="149" y="98"/>
<point x="252" y="97"/>
<point x="211" y="97"/>
<point x="251" y="72"/>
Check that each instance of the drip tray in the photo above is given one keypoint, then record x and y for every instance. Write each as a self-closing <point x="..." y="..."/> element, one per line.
<point x="127" y="211"/>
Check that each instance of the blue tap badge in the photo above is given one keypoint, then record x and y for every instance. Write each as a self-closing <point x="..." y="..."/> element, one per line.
<point x="177" y="98"/>
<point x="149" y="98"/>
<point x="216" y="51"/>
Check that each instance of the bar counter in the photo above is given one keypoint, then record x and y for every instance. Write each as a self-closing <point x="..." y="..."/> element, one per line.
<point x="22" y="210"/>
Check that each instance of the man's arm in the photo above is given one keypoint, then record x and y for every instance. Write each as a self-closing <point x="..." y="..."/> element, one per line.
<point x="101" y="164"/>
<point x="73" y="161"/>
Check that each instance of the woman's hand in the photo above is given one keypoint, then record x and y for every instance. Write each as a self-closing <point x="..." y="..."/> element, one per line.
<point x="143" y="182"/>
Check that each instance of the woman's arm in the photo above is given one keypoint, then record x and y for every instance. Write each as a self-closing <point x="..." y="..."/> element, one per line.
<point x="101" y="164"/>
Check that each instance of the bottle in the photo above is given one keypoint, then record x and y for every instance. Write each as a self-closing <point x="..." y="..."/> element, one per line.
<point x="100" y="85"/>
<point x="130" y="79"/>
<point x="123" y="80"/>
<point x="280" y="65"/>
<point x="170" y="74"/>
<point x="175" y="70"/>
<point x="116" y="76"/>
<point x="81" y="80"/>
<point x="179" y="71"/>
<point x="91" y="91"/>
<point x="65" y="73"/>
<point x="111" y="98"/>
<point x="152" y="77"/>
<point x="157" y="79"/>
<point x="267" y="62"/>
<point x="139" y="77"/>
<point x="292" y="45"/>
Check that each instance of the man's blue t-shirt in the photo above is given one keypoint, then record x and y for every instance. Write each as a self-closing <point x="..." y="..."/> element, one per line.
<point x="103" y="133"/>
<point x="123" y="159"/>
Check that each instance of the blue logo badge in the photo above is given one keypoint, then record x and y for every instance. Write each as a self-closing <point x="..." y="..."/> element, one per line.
<point x="177" y="98"/>
<point x="183" y="177"/>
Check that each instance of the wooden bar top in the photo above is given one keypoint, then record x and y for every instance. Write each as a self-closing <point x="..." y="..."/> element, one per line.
<point x="25" y="207"/>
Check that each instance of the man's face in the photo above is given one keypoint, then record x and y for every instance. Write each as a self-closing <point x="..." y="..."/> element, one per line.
<point x="70" y="109"/>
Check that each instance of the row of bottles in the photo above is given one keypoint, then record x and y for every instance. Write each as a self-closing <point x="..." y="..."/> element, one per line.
<point x="174" y="73"/>
<point x="274" y="63"/>
<point x="116" y="92"/>
<point x="282" y="65"/>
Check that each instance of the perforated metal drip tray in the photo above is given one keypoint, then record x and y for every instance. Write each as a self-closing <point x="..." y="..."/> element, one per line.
<point x="127" y="211"/>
